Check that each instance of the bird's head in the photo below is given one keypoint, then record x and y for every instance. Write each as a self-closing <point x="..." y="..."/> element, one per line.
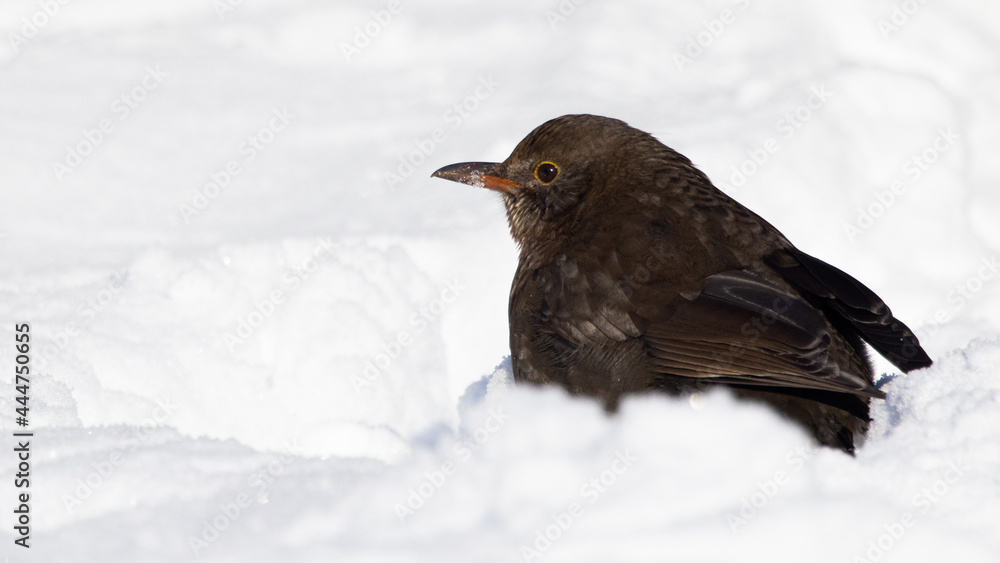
<point x="566" y="171"/>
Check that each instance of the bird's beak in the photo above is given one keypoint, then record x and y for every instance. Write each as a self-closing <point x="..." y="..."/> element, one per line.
<point x="479" y="174"/>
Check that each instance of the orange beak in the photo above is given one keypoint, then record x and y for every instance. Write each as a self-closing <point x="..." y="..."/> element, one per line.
<point x="479" y="174"/>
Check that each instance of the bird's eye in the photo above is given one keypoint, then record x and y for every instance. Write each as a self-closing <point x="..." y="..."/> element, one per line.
<point x="546" y="172"/>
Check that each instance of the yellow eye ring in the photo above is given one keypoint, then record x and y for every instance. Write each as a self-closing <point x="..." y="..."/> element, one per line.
<point x="546" y="171"/>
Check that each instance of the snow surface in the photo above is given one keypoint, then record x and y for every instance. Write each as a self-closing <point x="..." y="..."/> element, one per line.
<point x="352" y="421"/>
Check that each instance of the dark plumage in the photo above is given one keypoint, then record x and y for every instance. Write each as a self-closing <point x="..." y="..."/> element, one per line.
<point x="636" y="273"/>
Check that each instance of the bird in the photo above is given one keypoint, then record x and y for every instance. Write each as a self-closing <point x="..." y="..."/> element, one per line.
<point x="636" y="274"/>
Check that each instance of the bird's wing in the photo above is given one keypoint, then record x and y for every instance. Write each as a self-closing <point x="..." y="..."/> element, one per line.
<point x="848" y="301"/>
<point x="741" y="329"/>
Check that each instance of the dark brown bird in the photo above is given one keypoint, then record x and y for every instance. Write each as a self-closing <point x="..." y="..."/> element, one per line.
<point x="636" y="273"/>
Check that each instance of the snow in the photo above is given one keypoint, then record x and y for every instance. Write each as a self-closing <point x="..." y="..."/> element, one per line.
<point x="250" y="344"/>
